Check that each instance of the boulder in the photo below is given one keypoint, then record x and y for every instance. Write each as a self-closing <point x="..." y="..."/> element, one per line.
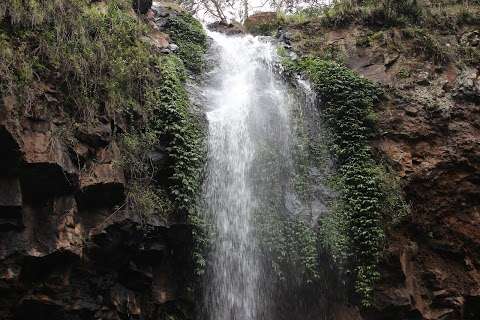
<point x="95" y="136"/>
<point x="262" y="23"/>
<point x="103" y="185"/>
<point x="471" y="39"/>
<point x="48" y="168"/>
<point x="51" y="226"/>
<point x="159" y="40"/>
<point x="284" y="36"/>
<point x="173" y="47"/>
<point x="229" y="28"/>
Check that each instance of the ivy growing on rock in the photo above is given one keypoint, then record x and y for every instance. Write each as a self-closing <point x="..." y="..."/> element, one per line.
<point x="284" y="228"/>
<point x="180" y="130"/>
<point x="347" y="110"/>
<point x="290" y="245"/>
<point x="354" y="231"/>
<point x="188" y="34"/>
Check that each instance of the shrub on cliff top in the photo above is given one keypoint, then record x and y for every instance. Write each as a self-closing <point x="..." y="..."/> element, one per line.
<point x="94" y="62"/>
<point x="445" y="15"/>
<point x="263" y="23"/>
<point x="90" y="53"/>
<point x="382" y="12"/>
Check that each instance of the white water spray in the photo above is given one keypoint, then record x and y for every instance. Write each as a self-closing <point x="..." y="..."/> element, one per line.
<point x="249" y="172"/>
<point x="244" y="98"/>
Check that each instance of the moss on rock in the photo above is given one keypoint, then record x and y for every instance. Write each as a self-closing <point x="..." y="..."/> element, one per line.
<point x="92" y="61"/>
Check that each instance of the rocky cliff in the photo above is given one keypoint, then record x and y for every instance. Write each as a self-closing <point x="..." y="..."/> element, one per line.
<point x="93" y="221"/>
<point x="68" y="247"/>
<point x="77" y="241"/>
<point x="428" y="130"/>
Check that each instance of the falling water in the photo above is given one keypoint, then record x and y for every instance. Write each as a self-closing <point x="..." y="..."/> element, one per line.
<point x="248" y="172"/>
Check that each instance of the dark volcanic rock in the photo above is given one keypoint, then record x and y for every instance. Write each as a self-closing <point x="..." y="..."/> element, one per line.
<point x="98" y="136"/>
<point x="69" y="249"/>
<point x="103" y="184"/>
<point x="468" y="85"/>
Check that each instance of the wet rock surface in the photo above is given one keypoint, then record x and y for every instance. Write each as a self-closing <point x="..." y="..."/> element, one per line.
<point x="429" y="125"/>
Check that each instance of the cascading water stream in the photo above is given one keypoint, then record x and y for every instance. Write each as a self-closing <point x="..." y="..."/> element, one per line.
<point x="248" y="173"/>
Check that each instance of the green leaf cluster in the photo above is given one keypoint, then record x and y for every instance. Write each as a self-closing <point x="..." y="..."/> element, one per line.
<point x="175" y="124"/>
<point x="354" y="231"/>
<point x="290" y="243"/>
<point x="171" y="124"/>
<point x="188" y="34"/>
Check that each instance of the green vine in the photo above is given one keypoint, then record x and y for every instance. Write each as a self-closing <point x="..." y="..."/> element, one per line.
<point x="180" y="129"/>
<point x="354" y="231"/>
<point x="188" y="34"/>
<point x="347" y="110"/>
<point x="288" y="239"/>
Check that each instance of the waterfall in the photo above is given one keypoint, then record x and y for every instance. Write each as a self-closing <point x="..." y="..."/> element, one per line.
<point x="249" y="173"/>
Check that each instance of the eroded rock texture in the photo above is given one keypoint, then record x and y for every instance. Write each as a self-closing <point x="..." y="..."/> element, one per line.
<point x="429" y="128"/>
<point x="68" y="249"/>
<point x="431" y="133"/>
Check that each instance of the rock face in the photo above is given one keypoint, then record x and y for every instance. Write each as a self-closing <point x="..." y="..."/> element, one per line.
<point x="70" y="247"/>
<point x="68" y="250"/>
<point x="432" y="137"/>
<point x="429" y="128"/>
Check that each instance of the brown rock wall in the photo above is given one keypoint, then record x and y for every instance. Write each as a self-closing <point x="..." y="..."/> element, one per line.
<point x="429" y="131"/>
<point x="68" y="247"/>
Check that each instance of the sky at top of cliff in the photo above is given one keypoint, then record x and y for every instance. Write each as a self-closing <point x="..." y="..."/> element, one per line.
<point x="257" y="6"/>
<point x="235" y="11"/>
